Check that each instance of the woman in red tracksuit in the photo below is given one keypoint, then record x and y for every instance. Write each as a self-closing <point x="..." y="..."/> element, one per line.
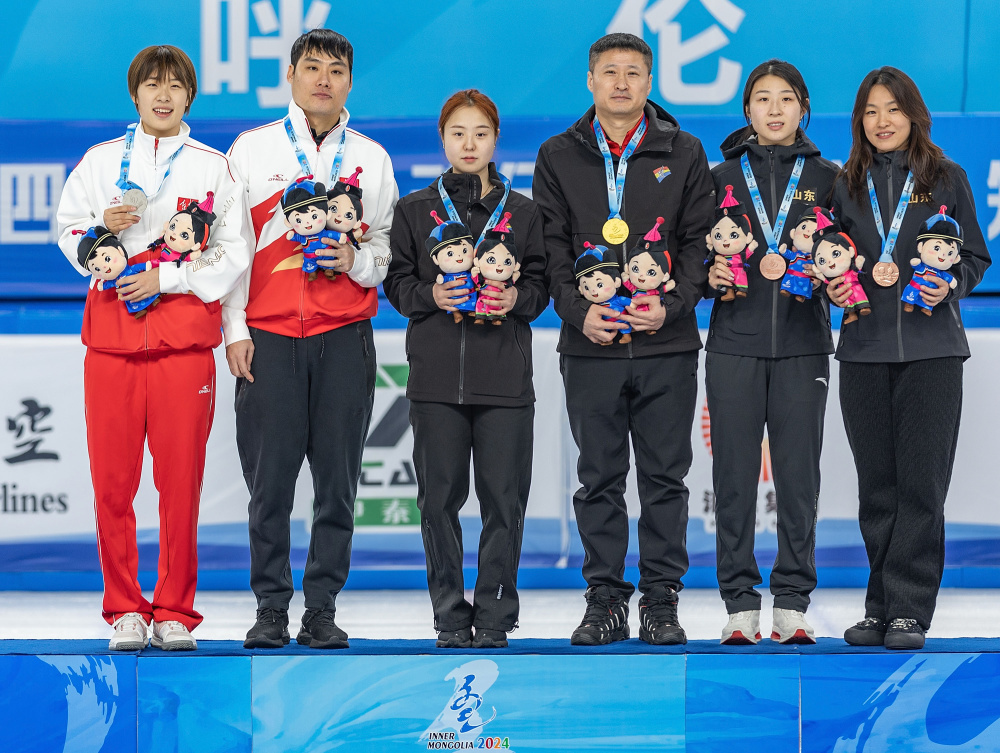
<point x="153" y="378"/>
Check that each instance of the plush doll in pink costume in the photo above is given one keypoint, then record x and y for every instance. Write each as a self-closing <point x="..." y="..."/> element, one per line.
<point x="185" y="235"/>
<point x="835" y="255"/>
<point x="647" y="269"/>
<point x="344" y="211"/>
<point x="731" y="237"/>
<point x="496" y="268"/>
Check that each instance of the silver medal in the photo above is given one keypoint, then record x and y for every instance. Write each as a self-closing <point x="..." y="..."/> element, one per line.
<point x="136" y="198"/>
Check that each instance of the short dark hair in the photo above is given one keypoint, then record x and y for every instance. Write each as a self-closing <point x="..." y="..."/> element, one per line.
<point x="161" y="62"/>
<point x="326" y="41"/>
<point x="620" y="41"/>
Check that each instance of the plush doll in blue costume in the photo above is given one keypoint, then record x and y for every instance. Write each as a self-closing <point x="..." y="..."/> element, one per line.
<point x="938" y="245"/>
<point x="598" y="278"/>
<point x="450" y="248"/>
<point x="344" y="214"/>
<point x="104" y="256"/>
<point x="797" y="281"/>
<point x="305" y="207"/>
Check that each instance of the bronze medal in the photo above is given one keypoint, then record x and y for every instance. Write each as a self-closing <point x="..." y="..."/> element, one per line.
<point x="773" y="266"/>
<point x="615" y="231"/>
<point x="885" y="274"/>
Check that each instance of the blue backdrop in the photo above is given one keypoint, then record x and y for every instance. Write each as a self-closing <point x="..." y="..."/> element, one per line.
<point x="63" y="66"/>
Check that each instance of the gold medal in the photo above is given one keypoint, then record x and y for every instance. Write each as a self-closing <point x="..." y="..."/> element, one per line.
<point x="615" y="231"/>
<point x="885" y="274"/>
<point x="773" y="266"/>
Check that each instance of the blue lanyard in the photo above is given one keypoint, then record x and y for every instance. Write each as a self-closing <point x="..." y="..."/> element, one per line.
<point x="772" y="236"/>
<point x="123" y="182"/>
<point x="303" y="160"/>
<point x="449" y="205"/>
<point x="888" y="244"/>
<point x="616" y="183"/>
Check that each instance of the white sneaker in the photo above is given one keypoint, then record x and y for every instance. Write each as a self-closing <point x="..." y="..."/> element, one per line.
<point x="173" y="636"/>
<point x="131" y="633"/>
<point x="743" y="629"/>
<point x="789" y="626"/>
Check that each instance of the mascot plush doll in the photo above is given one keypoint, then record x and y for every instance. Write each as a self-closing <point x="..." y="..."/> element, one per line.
<point x="344" y="211"/>
<point x="450" y="248"/>
<point x="305" y="207"/>
<point x="496" y="268"/>
<point x="598" y="278"/>
<point x="104" y="256"/>
<point x="647" y="269"/>
<point x="835" y="255"/>
<point x="185" y="235"/>
<point x="938" y="245"/>
<point x="796" y="281"/>
<point x="731" y="237"/>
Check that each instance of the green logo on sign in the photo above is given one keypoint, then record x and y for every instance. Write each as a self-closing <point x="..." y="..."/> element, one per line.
<point x="386" y="511"/>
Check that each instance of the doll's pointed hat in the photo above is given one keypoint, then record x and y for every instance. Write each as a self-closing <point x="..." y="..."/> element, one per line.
<point x="503" y="233"/>
<point x="349" y="186"/>
<point x="203" y="209"/>
<point x="655" y="245"/>
<point x="941" y="225"/>
<point x="446" y="231"/>
<point x="596" y="257"/>
<point x="93" y="239"/>
<point x="729" y="207"/>
<point x="826" y="223"/>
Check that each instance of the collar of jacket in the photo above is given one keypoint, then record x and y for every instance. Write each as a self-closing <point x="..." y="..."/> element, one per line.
<point x="661" y="128"/>
<point x="466" y="188"/>
<point x="154" y="150"/>
<point x="301" y="127"/>
<point x="735" y="145"/>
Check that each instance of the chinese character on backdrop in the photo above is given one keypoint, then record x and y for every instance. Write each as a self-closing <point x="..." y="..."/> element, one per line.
<point x="27" y="430"/>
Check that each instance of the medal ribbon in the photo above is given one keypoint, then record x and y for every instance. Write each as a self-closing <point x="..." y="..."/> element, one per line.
<point x="449" y="205"/>
<point x="304" y="161"/>
<point x="123" y="182"/>
<point x="616" y="183"/>
<point x="888" y="244"/>
<point x="772" y="236"/>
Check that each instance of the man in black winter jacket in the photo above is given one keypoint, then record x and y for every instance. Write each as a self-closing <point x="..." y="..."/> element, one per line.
<point x="648" y="387"/>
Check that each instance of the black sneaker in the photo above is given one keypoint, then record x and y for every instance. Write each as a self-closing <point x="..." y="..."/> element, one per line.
<point x="489" y="639"/>
<point x="455" y="638"/>
<point x="270" y="630"/>
<point x="869" y="632"/>
<point x="904" y="633"/>
<point x="320" y="631"/>
<point x="605" y="620"/>
<point x="658" y="623"/>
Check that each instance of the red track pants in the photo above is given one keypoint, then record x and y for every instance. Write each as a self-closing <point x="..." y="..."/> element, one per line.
<point x="168" y="399"/>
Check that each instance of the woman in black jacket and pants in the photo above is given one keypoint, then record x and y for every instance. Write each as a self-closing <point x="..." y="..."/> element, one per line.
<point x="768" y="363"/>
<point x="469" y="386"/>
<point x="901" y="373"/>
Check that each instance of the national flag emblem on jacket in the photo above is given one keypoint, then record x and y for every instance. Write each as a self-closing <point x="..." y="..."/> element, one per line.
<point x="660" y="173"/>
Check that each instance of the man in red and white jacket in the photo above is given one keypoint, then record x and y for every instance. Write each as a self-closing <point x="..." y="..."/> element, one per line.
<point x="303" y="350"/>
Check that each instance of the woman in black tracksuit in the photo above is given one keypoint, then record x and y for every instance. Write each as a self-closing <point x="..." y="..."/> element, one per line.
<point x="901" y="372"/>
<point x="469" y="385"/>
<point x="767" y="363"/>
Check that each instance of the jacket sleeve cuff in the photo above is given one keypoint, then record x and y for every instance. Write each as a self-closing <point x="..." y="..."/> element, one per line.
<point x="173" y="279"/>
<point x="234" y="325"/>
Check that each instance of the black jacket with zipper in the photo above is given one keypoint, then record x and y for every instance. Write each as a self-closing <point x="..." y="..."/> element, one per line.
<point x="766" y="324"/>
<point x="888" y="334"/>
<point x="465" y="363"/>
<point x="667" y="177"/>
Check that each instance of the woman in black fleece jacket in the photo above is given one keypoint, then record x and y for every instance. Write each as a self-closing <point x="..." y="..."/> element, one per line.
<point x="901" y="373"/>
<point x="469" y="386"/>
